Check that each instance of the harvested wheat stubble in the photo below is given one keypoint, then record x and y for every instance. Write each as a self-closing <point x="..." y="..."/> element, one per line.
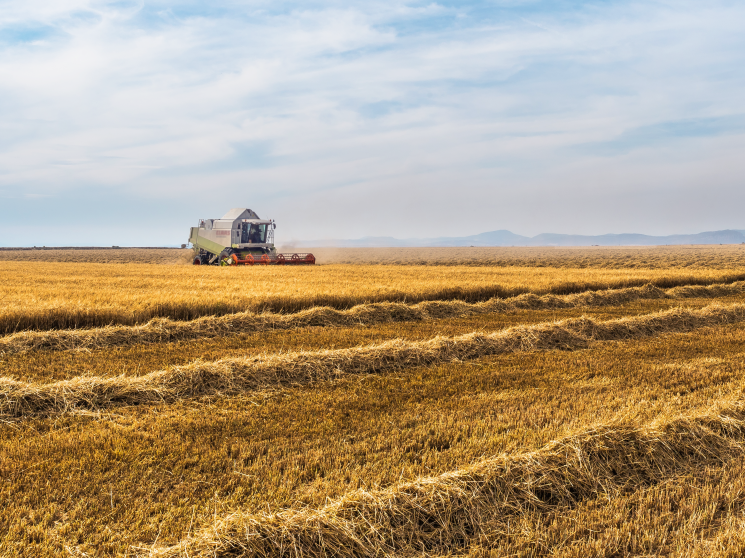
<point x="161" y="330"/>
<point x="608" y="257"/>
<point x="238" y="375"/>
<point x="447" y="512"/>
<point x="46" y="297"/>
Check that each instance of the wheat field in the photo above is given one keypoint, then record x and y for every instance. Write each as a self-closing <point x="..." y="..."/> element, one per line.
<point x="621" y="257"/>
<point x="585" y="405"/>
<point x="596" y="257"/>
<point x="59" y="295"/>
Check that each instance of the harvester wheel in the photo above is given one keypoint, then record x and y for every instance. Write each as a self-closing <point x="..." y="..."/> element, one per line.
<point x="197" y="261"/>
<point x="225" y="257"/>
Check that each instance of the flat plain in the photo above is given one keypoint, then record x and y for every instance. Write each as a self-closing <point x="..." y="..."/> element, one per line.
<point x="525" y="402"/>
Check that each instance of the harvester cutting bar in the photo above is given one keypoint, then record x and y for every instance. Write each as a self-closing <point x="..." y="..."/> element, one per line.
<point x="277" y="259"/>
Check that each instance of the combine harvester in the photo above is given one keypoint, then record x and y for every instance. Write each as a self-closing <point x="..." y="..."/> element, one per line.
<point x="240" y="238"/>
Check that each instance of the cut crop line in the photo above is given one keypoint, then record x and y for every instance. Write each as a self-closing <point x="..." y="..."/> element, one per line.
<point x="163" y="330"/>
<point x="244" y="374"/>
<point x="443" y="513"/>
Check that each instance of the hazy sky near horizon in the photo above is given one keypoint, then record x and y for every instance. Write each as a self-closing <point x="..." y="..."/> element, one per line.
<point x="124" y="122"/>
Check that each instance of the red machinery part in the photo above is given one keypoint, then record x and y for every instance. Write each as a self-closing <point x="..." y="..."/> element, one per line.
<point x="279" y="259"/>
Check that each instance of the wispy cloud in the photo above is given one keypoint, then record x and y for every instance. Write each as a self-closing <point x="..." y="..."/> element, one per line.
<point x="665" y="133"/>
<point x="346" y="119"/>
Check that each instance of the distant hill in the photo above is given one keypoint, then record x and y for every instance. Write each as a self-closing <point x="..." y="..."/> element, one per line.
<point x="507" y="238"/>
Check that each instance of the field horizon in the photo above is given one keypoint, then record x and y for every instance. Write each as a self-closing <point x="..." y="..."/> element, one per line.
<point x="491" y="239"/>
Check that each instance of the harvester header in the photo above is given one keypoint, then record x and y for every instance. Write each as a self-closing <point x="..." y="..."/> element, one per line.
<point x="240" y="237"/>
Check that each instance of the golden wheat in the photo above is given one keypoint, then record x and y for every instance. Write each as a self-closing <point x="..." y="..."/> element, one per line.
<point x="697" y="513"/>
<point x="236" y="375"/>
<point x="611" y="257"/>
<point x="38" y="296"/>
<point x="102" y="483"/>
<point x="165" y="330"/>
<point x="248" y="448"/>
<point x="602" y="257"/>
<point x="129" y="256"/>
<point x="444" y="512"/>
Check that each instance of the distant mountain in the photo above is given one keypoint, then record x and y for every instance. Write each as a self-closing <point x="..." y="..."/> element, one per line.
<point x="507" y="238"/>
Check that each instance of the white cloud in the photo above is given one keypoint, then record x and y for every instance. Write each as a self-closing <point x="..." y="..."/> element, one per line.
<point x="372" y="114"/>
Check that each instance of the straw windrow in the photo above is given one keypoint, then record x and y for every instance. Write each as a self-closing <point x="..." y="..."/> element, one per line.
<point x="444" y="513"/>
<point x="161" y="330"/>
<point x="238" y="375"/>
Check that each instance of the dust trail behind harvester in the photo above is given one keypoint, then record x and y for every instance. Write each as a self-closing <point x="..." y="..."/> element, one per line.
<point x="161" y="330"/>
<point x="239" y="375"/>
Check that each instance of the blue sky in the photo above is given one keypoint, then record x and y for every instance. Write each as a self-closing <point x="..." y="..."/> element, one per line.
<point x="124" y="122"/>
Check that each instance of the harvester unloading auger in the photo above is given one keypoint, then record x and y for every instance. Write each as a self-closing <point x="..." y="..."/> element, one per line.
<point x="240" y="238"/>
